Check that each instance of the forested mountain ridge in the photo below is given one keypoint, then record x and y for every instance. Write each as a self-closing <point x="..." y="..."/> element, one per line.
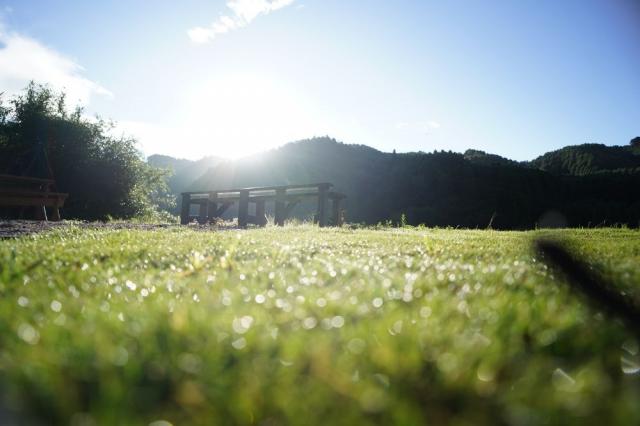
<point x="581" y="160"/>
<point x="474" y="189"/>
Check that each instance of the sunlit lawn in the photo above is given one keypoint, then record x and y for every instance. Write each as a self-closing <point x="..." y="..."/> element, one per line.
<point x="307" y="326"/>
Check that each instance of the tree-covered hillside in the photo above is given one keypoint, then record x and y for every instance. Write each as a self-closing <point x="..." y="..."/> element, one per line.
<point x="440" y="188"/>
<point x="581" y="160"/>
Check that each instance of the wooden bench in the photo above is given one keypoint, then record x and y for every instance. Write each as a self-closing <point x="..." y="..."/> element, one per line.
<point x="214" y="203"/>
<point x="21" y="191"/>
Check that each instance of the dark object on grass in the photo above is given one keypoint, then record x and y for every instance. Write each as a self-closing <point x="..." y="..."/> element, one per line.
<point x="581" y="278"/>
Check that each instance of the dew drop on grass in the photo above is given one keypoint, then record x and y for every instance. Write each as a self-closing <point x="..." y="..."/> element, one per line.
<point x="241" y="325"/>
<point x="60" y="320"/>
<point x="56" y="306"/>
<point x="260" y="299"/>
<point x="131" y="285"/>
<point x="160" y="423"/>
<point x="189" y="363"/>
<point x="377" y="302"/>
<point x="631" y="347"/>
<point x="396" y="328"/>
<point x="485" y="373"/>
<point x="561" y="380"/>
<point x="337" y="321"/>
<point x="29" y="334"/>
<point x="120" y="356"/>
<point x="630" y="364"/>
<point x="23" y="301"/>
<point x="630" y="359"/>
<point x="239" y="343"/>
<point x="356" y="345"/>
<point x="309" y="323"/>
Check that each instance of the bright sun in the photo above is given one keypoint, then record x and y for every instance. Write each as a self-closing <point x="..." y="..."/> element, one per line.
<point x="240" y="114"/>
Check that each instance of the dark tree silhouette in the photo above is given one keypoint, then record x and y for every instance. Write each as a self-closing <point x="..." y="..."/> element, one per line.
<point x="104" y="175"/>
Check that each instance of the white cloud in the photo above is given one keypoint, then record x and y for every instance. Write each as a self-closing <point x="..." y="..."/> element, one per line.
<point x="242" y="12"/>
<point x="23" y="59"/>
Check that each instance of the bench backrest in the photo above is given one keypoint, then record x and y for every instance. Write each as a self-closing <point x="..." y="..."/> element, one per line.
<point x="263" y="191"/>
<point x="24" y="182"/>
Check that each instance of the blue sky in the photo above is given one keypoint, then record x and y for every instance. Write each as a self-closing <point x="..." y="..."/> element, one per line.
<point x="196" y="77"/>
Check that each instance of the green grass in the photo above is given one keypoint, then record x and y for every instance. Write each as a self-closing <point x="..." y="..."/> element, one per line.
<point x="307" y="326"/>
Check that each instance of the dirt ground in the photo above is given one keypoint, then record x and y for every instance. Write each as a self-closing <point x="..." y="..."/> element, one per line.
<point x="19" y="228"/>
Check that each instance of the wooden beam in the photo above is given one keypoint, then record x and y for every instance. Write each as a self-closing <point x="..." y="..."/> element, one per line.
<point x="290" y="206"/>
<point x="243" y="209"/>
<point x="186" y="207"/>
<point x="223" y="208"/>
<point x="267" y="188"/>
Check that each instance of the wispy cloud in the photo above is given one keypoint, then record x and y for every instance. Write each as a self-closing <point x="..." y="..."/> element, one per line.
<point x="241" y="13"/>
<point x="23" y="59"/>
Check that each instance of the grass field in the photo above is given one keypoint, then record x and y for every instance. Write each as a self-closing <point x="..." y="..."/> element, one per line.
<point x="307" y="326"/>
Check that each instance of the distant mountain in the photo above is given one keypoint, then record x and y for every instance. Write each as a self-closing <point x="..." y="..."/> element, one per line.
<point x="474" y="189"/>
<point x="484" y="159"/>
<point x="587" y="159"/>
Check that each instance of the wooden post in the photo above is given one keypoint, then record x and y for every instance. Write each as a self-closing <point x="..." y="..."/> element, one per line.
<point x="261" y="218"/>
<point x="204" y="211"/>
<point x="281" y="198"/>
<point x="41" y="212"/>
<point x="243" y="209"/>
<point x="322" y="205"/>
<point x="55" y="211"/>
<point x="337" y="218"/>
<point x="213" y="205"/>
<point x="186" y="208"/>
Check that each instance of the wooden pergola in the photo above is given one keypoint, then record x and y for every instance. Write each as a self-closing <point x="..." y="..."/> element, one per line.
<point x="212" y="204"/>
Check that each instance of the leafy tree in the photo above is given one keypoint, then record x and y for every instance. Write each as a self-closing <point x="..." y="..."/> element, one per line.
<point x="104" y="175"/>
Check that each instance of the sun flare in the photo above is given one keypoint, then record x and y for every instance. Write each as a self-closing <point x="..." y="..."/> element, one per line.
<point x="240" y="114"/>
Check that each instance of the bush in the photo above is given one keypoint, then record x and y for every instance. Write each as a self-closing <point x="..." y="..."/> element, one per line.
<point x="104" y="175"/>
